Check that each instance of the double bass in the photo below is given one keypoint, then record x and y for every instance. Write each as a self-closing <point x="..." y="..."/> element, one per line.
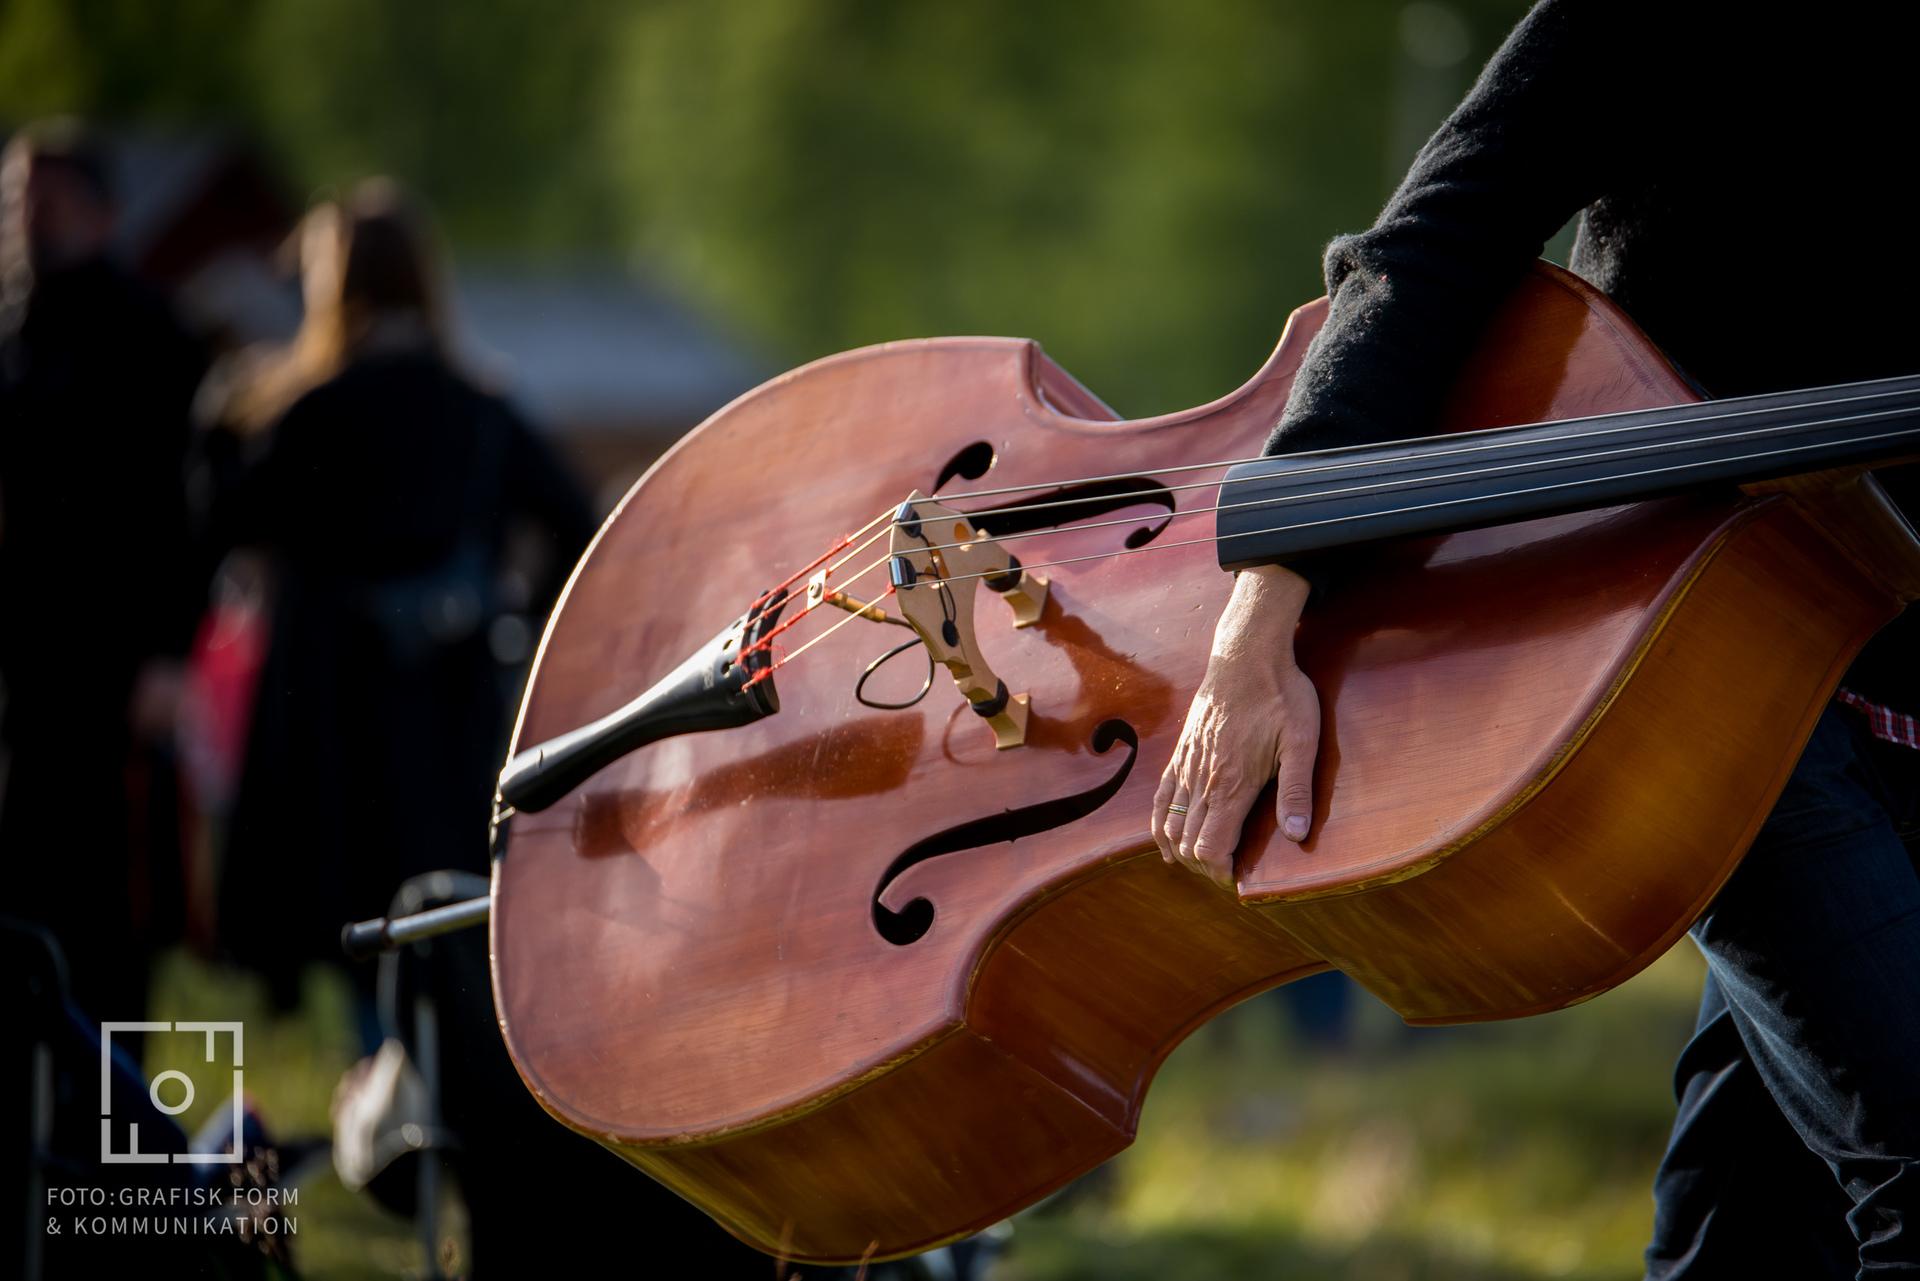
<point x="858" y="975"/>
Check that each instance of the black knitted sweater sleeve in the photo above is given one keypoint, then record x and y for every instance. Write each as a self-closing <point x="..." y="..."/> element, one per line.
<point x="1548" y="126"/>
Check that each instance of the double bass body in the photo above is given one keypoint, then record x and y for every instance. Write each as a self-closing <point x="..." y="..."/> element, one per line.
<point x="856" y="982"/>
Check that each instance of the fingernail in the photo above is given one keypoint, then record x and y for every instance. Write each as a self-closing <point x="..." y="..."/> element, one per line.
<point x="1296" y="826"/>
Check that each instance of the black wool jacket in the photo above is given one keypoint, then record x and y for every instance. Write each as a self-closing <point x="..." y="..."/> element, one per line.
<point x="1743" y="181"/>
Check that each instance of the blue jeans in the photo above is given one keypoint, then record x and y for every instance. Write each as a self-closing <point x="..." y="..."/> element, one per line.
<point x="1796" y="1150"/>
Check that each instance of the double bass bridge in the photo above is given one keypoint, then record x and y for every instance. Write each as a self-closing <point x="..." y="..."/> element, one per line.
<point x="938" y="558"/>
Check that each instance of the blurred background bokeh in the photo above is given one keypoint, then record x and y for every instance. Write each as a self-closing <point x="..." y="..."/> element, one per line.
<point x="652" y="206"/>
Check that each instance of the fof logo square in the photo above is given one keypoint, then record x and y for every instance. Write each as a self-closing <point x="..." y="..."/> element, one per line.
<point x="181" y="1083"/>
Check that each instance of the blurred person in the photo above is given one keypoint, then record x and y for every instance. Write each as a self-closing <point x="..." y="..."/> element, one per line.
<point x="243" y="395"/>
<point x="1319" y="1009"/>
<point x="99" y="587"/>
<point x="1735" y="175"/>
<point x="382" y="496"/>
<point x="248" y="389"/>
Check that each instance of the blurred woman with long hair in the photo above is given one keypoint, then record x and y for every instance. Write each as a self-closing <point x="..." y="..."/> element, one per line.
<point x="248" y="389"/>
<point x="382" y="493"/>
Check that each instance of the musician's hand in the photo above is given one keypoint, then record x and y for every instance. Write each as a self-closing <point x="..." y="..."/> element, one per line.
<point x="1256" y="715"/>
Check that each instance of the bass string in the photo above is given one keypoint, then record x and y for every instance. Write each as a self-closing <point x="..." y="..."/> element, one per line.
<point x="794" y="577"/>
<point x="1452" y="502"/>
<point x="1427" y="446"/>
<point x="875" y="537"/>
<point x="1503" y="438"/>
<point x="765" y="642"/>
<point x="851" y="551"/>
<point x="782" y="660"/>
<point x="1625" y="451"/>
<point x="1214" y="538"/>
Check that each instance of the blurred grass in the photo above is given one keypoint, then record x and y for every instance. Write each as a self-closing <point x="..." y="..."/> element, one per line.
<point x="1504" y="1152"/>
<point x="292" y="1062"/>
<point x="1500" y="1152"/>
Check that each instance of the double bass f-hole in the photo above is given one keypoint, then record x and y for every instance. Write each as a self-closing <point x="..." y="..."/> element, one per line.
<point x="914" y="918"/>
<point x="1024" y="512"/>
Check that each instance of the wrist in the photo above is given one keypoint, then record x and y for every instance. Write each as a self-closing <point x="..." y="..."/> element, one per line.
<point x="1275" y="586"/>
<point x="1261" y="616"/>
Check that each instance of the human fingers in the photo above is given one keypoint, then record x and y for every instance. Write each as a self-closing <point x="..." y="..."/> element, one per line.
<point x="1299" y="746"/>
<point x="1162" y="798"/>
<point x="1187" y="857"/>
<point x="1229" y="796"/>
<point x="1174" y="823"/>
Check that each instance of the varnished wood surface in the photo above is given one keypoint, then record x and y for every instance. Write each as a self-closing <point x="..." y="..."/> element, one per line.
<point x="1857" y="516"/>
<point x="1516" y="805"/>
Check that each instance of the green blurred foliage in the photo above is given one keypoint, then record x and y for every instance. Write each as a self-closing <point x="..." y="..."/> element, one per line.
<point x="496" y="111"/>
<point x="123" y="59"/>
<point x="1143" y="186"/>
